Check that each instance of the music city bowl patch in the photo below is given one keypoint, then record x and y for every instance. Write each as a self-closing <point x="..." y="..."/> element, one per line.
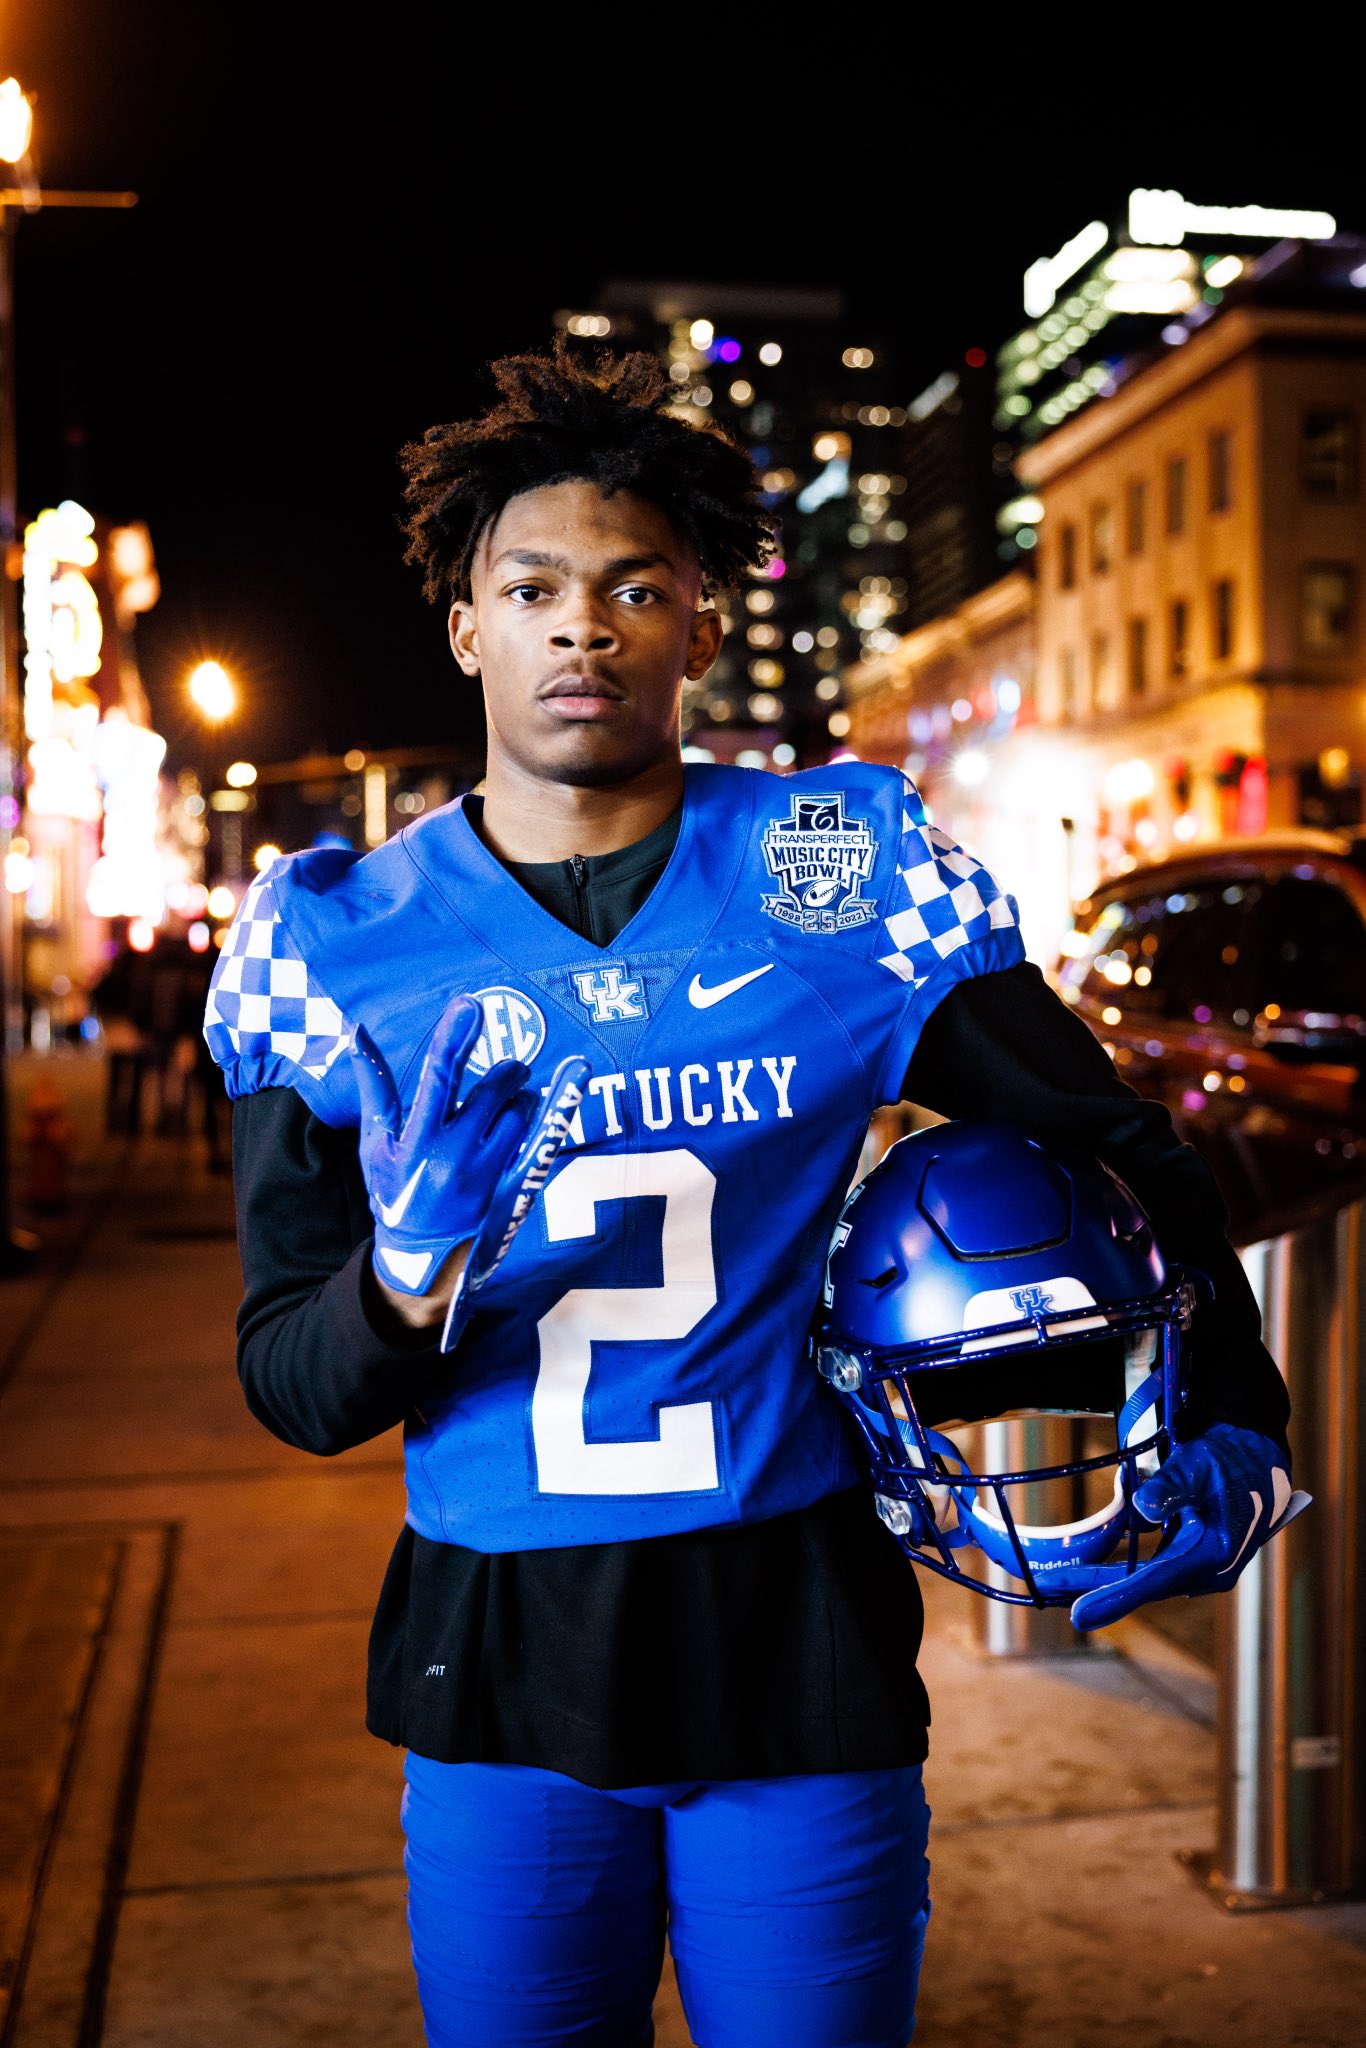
<point x="820" y="860"/>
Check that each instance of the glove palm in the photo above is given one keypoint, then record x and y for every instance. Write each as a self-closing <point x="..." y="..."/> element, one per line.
<point x="451" y="1173"/>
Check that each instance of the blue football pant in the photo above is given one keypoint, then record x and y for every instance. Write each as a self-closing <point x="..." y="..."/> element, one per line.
<point x="796" y="1907"/>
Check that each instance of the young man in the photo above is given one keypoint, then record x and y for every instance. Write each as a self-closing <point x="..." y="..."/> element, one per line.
<point x="573" y="1080"/>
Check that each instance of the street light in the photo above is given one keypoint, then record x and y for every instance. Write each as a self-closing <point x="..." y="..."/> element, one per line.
<point x="214" y="695"/>
<point x="213" y="691"/>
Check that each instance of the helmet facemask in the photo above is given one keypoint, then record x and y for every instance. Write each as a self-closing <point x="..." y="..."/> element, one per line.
<point x="1045" y="1524"/>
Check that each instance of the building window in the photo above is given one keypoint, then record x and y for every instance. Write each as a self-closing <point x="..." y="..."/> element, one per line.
<point x="1179" y="626"/>
<point x="1328" y="454"/>
<point x="1221" y="619"/>
<point x="1101" y="539"/>
<point x="1326" y="608"/>
<point x="1100" y="671"/>
<point x="1067" y="558"/>
<point x="1136" y="517"/>
<point x="1176" y="494"/>
<point x="1067" y="684"/>
<point x="1220" y="471"/>
<point x="1138" y="656"/>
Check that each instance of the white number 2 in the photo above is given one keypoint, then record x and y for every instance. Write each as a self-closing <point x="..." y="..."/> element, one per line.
<point x="682" y="1458"/>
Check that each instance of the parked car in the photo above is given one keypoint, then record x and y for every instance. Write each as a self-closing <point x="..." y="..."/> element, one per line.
<point x="1230" y="983"/>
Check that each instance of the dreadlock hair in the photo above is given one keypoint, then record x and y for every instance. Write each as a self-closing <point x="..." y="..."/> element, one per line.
<point x="562" y="419"/>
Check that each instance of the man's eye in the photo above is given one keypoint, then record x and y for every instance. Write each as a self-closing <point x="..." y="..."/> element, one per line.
<point x="637" y="594"/>
<point x="525" y="593"/>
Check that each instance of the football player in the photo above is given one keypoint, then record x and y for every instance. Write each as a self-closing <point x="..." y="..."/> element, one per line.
<point x="543" y="1113"/>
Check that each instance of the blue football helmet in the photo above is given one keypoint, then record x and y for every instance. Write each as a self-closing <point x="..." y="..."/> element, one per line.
<point x="977" y="1273"/>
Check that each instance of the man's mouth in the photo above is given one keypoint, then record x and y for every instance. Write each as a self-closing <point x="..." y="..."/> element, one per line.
<point x="581" y="695"/>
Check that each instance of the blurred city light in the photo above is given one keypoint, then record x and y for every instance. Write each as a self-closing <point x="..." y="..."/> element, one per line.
<point x="142" y="935"/>
<point x="16" y="122"/>
<point x="222" y="903"/>
<point x="971" y="767"/>
<point x="19" y="868"/>
<point x="770" y="354"/>
<point x="1129" y="782"/>
<point x="239" y="775"/>
<point x="212" y="690"/>
<point x="1223" y="270"/>
<point x="1161" y="216"/>
<point x="265" y="855"/>
<point x="198" y="936"/>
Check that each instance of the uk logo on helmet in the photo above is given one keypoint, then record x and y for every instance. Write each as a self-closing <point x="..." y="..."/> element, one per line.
<point x="514" y="1029"/>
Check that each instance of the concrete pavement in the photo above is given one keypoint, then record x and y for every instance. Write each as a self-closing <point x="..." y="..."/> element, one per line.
<point x="201" y="1844"/>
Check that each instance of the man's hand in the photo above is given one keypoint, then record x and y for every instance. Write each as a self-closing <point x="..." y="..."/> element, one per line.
<point x="448" y="1179"/>
<point x="1228" y="1492"/>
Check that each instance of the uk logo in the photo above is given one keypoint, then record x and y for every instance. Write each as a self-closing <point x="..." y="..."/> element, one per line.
<point x="820" y="860"/>
<point x="1031" y="1301"/>
<point x="514" y="1029"/>
<point x="610" y="995"/>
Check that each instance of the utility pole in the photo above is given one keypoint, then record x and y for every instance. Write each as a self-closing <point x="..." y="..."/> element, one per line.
<point x="16" y="1247"/>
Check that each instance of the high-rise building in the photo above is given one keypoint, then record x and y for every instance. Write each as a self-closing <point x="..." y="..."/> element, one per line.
<point x="814" y="402"/>
<point x="959" y="473"/>
<point x="1118" y="290"/>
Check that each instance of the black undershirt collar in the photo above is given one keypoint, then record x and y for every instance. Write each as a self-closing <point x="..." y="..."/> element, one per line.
<point x="594" y="894"/>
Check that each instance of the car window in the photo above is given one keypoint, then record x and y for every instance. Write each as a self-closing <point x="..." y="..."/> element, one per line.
<point x="1312" y="956"/>
<point x="1178" y="953"/>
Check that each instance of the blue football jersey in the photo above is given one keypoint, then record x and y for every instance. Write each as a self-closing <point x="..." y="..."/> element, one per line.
<point x="638" y="1362"/>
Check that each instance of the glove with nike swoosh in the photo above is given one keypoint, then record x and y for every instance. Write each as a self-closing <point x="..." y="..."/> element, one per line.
<point x="448" y="1174"/>
<point x="1222" y="1496"/>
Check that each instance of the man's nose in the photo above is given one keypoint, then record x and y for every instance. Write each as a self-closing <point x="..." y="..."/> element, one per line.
<point x="584" y="627"/>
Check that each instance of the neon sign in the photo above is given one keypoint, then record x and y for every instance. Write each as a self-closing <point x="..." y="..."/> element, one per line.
<point x="1167" y="218"/>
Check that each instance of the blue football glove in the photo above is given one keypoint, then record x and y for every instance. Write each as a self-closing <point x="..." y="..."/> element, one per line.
<point x="1227" y="1492"/>
<point x="447" y="1175"/>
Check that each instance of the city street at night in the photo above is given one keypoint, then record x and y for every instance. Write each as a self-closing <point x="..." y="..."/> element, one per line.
<point x="682" y="1038"/>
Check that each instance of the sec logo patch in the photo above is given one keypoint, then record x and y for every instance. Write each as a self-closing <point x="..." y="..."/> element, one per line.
<point x="514" y="1029"/>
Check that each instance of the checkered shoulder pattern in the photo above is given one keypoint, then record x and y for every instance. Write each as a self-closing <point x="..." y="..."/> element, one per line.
<point x="943" y="898"/>
<point x="268" y="1023"/>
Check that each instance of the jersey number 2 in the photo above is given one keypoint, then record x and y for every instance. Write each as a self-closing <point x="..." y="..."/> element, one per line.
<point x="682" y="1458"/>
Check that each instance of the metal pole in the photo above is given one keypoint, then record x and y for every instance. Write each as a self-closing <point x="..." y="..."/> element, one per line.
<point x="1292" y="1646"/>
<point x="1015" y="1443"/>
<point x="15" y="1251"/>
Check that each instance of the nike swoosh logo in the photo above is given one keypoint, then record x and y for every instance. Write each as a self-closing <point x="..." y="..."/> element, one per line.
<point x="1256" y="1500"/>
<point x="703" y="998"/>
<point x="391" y="1214"/>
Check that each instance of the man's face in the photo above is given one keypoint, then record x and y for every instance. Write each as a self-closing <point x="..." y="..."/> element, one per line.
<point x="583" y="623"/>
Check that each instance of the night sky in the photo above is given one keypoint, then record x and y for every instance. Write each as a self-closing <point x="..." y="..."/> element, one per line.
<point x="334" y="234"/>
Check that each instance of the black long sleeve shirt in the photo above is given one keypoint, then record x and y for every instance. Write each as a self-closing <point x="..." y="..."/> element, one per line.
<point x="771" y="1649"/>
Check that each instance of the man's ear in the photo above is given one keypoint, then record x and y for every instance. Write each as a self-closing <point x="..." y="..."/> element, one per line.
<point x="704" y="644"/>
<point x="464" y="636"/>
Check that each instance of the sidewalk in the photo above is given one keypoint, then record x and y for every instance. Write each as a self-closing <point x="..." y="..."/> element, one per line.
<point x="201" y="1844"/>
